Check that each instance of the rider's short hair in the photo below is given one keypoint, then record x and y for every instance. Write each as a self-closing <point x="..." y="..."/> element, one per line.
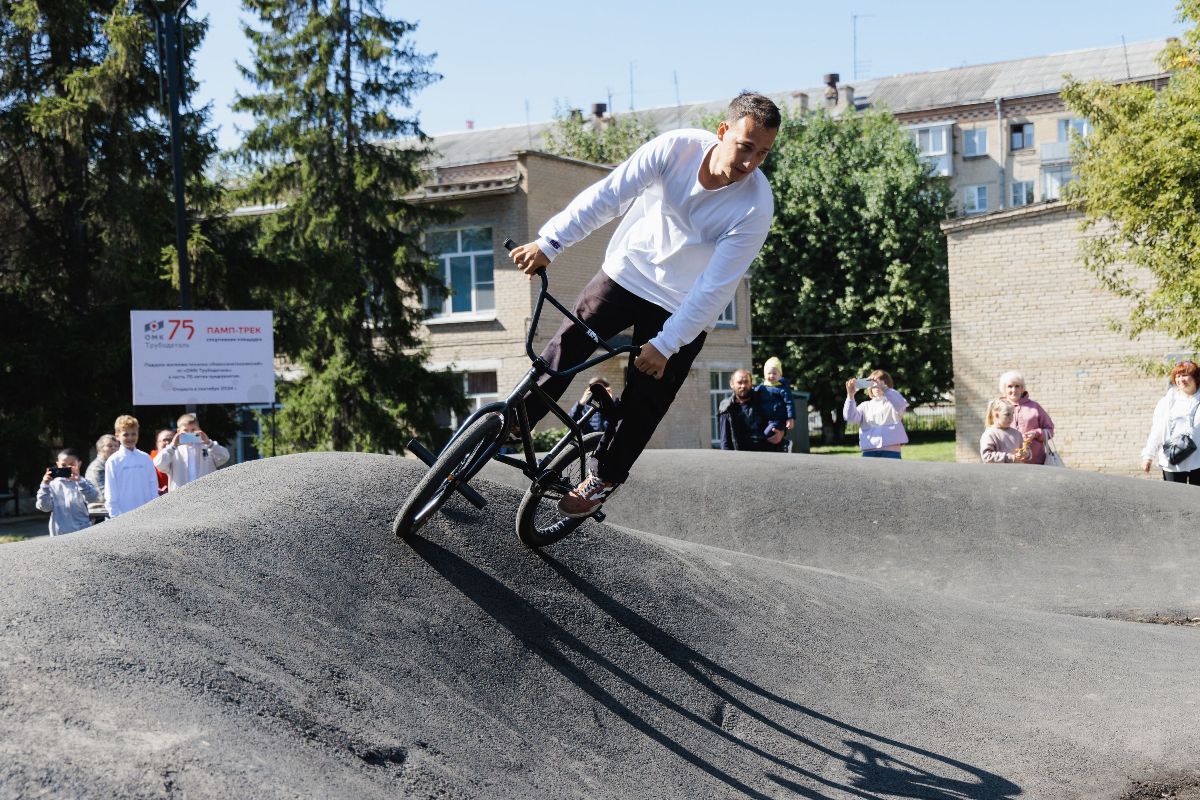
<point x="759" y="108"/>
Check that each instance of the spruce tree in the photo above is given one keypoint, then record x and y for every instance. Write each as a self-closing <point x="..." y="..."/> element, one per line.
<point x="85" y="211"/>
<point x="331" y="75"/>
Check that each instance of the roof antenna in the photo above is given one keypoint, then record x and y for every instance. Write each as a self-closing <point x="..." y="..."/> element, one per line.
<point x="1128" y="72"/>
<point x="528" y="129"/>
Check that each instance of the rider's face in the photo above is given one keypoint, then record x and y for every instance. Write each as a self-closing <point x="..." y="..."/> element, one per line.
<point x="743" y="146"/>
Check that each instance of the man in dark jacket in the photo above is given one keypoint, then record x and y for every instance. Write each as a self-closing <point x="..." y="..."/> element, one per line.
<point x="743" y="418"/>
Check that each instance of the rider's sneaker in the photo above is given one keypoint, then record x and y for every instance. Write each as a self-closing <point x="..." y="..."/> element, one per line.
<point x="584" y="499"/>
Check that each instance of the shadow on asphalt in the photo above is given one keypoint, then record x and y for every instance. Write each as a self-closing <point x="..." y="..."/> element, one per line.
<point x="873" y="768"/>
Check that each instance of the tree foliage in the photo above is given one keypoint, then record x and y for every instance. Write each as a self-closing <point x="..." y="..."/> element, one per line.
<point x="85" y="211"/>
<point x="346" y="244"/>
<point x="1138" y="184"/>
<point x="853" y="275"/>
<point x="607" y="141"/>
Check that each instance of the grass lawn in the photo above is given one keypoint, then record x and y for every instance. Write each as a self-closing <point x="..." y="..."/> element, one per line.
<point x="935" y="450"/>
<point x="7" y="539"/>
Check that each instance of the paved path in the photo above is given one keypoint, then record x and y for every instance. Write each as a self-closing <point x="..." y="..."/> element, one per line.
<point x="262" y="634"/>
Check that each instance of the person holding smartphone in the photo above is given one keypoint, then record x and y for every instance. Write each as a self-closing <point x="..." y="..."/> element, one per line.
<point x="881" y="432"/>
<point x="190" y="454"/>
<point x="65" y="495"/>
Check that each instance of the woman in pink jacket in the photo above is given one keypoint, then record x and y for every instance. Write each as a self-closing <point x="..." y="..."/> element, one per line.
<point x="1030" y="419"/>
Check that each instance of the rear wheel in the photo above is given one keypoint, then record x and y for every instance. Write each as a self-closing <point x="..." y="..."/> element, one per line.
<point x="457" y="464"/>
<point x="539" y="522"/>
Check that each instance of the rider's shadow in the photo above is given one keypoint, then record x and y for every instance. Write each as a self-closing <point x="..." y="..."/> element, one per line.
<point x="875" y="772"/>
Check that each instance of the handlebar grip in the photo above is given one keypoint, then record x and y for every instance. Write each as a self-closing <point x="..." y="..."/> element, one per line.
<point x="509" y="245"/>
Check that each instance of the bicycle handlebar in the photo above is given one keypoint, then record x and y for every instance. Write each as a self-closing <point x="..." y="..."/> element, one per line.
<point x="544" y="295"/>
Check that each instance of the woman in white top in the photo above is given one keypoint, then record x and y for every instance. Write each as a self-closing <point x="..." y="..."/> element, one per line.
<point x="1176" y="413"/>
<point x="880" y="433"/>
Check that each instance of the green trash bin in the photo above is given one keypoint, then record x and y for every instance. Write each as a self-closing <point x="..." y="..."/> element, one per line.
<point x="799" y="434"/>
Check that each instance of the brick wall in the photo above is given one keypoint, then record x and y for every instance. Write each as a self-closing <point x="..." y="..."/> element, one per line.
<point x="1020" y="299"/>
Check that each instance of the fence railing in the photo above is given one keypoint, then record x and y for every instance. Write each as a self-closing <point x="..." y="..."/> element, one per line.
<point x="927" y="418"/>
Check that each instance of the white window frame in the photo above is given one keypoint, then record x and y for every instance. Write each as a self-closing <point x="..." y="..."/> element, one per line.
<point x="974" y="142"/>
<point x="1054" y="178"/>
<point x="477" y="400"/>
<point x="971" y="199"/>
<point x="1022" y="193"/>
<point x="477" y="287"/>
<point x="1027" y="132"/>
<point x="930" y="147"/>
<point x="728" y="315"/>
<point x="717" y="391"/>
<point x="1068" y="124"/>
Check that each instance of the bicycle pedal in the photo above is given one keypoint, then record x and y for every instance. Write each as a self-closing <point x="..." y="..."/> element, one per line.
<point x="598" y="516"/>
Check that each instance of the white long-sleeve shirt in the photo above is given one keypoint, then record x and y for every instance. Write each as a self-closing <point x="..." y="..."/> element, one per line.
<point x="184" y="463"/>
<point x="879" y="420"/>
<point x="1175" y="413"/>
<point x="680" y="246"/>
<point x="129" y="481"/>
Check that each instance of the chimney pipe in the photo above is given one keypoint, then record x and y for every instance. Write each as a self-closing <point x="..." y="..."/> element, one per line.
<point x="831" y="92"/>
<point x="598" y="110"/>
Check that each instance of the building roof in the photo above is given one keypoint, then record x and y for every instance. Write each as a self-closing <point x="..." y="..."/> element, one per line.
<point x="916" y="91"/>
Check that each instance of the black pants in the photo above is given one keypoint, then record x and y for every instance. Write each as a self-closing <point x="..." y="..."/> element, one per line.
<point x="1192" y="477"/>
<point x="609" y="309"/>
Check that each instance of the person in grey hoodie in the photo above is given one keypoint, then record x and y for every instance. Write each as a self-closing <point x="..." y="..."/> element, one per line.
<point x="66" y="499"/>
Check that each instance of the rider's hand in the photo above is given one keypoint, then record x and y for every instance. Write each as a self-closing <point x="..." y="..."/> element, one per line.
<point x="529" y="258"/>
<point x="650" y="361"/>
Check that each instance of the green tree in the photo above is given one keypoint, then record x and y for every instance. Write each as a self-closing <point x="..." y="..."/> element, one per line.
<point x="607" y="141"/>
<point x="85" y="210"/>
<point x="853" y="275"/>
<point x="344" y="241"/>
<point x="1138" y="184"/>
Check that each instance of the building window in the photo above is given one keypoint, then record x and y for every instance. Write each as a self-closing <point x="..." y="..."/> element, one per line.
<point x="975" y="142"/>
<point x="1054" y="179"/>
<point x="1080" y="127"/>
<point x="931" y="141"/>
<point x="466" y="258"/>
<point x="1022" y="193"/>
<point x="479" y="388"/>
<point x="1021" y="135"/>
<point x="975" y="199"/>
<point x="728" y="317"/>
<point x="718" y="390"/>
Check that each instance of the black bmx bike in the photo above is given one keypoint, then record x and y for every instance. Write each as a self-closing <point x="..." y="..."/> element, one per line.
<point x="484" y="434"/>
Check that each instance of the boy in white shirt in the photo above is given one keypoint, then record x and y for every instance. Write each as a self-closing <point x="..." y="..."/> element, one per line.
<point x="129" y="477"/>
<point x="697" y="211"/>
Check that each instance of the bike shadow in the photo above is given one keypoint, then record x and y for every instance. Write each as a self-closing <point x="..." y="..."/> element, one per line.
<point x="875" y="772"/>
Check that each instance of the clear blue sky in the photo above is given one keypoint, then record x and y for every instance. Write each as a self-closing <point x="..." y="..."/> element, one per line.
<point x="497" y="57"/>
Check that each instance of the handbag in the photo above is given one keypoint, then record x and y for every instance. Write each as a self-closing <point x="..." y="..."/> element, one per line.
<point x="1053" y="459"/>
<point x="1178" y="447"/>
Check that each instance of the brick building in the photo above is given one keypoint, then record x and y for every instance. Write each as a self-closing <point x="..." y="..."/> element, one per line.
<point x="1020" y="299"/>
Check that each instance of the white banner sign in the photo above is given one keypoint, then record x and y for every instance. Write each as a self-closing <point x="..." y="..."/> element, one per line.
<point x="185" y="358"/>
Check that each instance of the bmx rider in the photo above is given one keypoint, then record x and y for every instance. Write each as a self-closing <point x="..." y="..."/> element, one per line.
<point x="697" y="211"/>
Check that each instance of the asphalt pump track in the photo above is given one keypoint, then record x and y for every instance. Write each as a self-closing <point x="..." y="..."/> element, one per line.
<point x="747" y="626"/>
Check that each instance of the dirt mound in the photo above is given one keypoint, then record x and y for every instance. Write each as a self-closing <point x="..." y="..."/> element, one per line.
<point x="262" y="634"/>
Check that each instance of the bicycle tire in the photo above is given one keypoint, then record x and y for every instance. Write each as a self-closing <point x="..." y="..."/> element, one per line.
<point x="436" y="487"/>
<point x="539" y="522"/>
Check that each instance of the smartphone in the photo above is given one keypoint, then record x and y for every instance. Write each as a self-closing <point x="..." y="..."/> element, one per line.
<point x="863" y="383"/>
<point x="60" y="472"/>
<point x="189" y="438"/>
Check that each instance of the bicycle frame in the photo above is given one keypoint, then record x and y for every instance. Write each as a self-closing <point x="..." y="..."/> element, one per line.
<point x="513" y="406"/>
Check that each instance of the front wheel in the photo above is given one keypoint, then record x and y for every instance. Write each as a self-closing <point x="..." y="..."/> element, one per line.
<point x="457" y="464"/>
<point x="539" y="522"/>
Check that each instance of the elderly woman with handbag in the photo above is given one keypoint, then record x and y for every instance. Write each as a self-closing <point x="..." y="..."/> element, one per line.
<point x="1174" y="431"/>
<point x="1030" y="419"/>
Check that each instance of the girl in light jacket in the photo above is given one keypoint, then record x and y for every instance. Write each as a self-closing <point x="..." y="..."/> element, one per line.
<point x="1176" y="413"/>
<point x="1030" y="418"/>
<point x="881" y="433"/>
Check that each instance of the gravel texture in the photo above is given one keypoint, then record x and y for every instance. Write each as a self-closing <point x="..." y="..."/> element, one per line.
<point x="261" y="633"/>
